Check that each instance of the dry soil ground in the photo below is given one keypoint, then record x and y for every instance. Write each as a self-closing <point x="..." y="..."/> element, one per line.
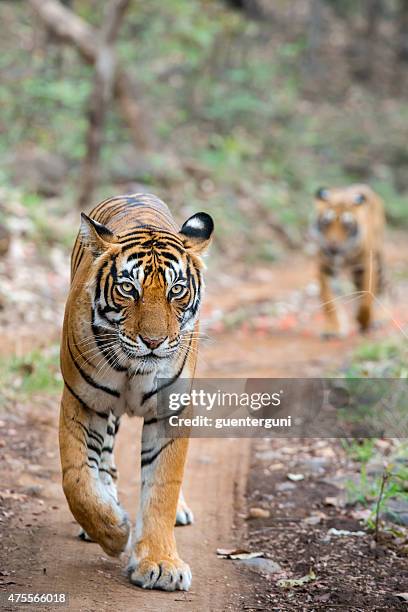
<point x="262" y="324"/>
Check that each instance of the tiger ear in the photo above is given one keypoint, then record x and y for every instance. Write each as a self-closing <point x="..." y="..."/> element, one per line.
<point x="196" y="232"/>
<point x="359" y="199"/>
<point x="322" y="194"/>
<point x="95" y="235"/>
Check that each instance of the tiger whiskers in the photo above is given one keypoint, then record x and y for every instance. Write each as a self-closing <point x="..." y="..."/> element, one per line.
<point x="94" y="337"/>
<point x="88" y="351"/>
<point x="109" y="363"/>
<point x="95" y="351"/>
<point x="188" y="349"/>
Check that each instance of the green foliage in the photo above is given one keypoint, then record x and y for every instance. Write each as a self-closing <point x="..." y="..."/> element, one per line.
<point x="366" y="490"/>
<point x="359" y="451"/>
<point x="46" y="105"/>
<point x="378" y="351"/>
<point x="375" y="491"/>
<point x="224" y="92"/>
<point x="376" y="360"/>
<point x="44" y="225"/>
<point x="363" y="491"/>
<point x="34" y="372"/>
<point x="396" y="204"/>
<point x="386" y="358"/>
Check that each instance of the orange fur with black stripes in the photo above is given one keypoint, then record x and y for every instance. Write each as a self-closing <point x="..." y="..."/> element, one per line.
<point x="349" y="232"/>
<point x="131" y="322"/>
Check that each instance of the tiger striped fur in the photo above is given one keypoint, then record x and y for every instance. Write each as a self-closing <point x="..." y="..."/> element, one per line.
<point x="131" y="318"/>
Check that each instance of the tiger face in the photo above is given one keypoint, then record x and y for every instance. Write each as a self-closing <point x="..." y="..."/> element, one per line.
<point x="146" y="285"/>
<point x="339" y="228"/>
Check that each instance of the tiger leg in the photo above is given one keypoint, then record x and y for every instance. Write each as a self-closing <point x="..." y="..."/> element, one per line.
<point x="366" y="281"/>
<point x="381" y="276"/>
<point x="332" y="322"/>
<point x="155" y="563"/>
<point x="108" y="473"/>
<point x="92" y="501"/>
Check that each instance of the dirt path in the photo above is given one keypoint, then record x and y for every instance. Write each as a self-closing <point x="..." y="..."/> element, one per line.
<point x="39" y="550"/>
<point x="45" y="556"/>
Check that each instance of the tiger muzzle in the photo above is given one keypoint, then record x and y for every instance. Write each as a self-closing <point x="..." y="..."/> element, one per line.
<point x="152" y="343"/>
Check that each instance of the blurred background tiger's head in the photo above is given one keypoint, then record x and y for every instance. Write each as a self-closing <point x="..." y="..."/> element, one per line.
<point x="342" y="220"/>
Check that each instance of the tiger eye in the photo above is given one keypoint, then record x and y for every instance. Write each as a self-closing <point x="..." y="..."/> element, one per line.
<point x="177" y="289"/>
<point x="126" y="287"/>
<point x="177" y="292"/>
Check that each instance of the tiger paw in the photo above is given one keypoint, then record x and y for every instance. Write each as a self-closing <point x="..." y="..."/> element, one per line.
<point x="364" y="318"/>
<point x="166" y="574"/>
<point x="331" y="334"/>
<point x="113" y="538"/>
<point x="184" y="515"/>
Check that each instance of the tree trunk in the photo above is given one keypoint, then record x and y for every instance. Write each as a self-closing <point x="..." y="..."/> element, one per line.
<point x="313" y="63"/>
<point x="101" y="96"/>
<point x="70" y="28"/>
<point x="401" y="50"/>
<point x="372" y="13"/>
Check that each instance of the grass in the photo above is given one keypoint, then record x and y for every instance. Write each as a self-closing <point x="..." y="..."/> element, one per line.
<point x="34" y="372"/>
<point x="375" y="492"/>
<point x="360" y="451"/>
<point x="385" y="359"/>
<point x="375" y="488"/>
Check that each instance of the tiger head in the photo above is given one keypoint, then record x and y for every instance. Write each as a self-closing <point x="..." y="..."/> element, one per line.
<point x="340" y="225"/>
<point x="146" y="285"/>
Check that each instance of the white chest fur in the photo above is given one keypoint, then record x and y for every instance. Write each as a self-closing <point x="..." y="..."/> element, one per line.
<point x="139" y="396"/>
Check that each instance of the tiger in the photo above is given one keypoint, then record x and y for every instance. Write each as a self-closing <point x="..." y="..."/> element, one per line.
<point x="131" y="321"/>
<point x="349" y="231"/>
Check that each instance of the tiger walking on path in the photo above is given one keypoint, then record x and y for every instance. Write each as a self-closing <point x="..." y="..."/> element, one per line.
<point x="349" y="232"/>
<point x="131" y="319"/>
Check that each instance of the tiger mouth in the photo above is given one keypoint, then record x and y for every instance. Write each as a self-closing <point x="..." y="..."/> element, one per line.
<point x="133" y="354"/>
<point x="146" y="357"/>
<point x="132" y="351"/>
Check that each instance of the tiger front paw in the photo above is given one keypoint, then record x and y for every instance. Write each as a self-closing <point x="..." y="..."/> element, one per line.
<point x="167" y="574"/>
<point x="330" y="333"/>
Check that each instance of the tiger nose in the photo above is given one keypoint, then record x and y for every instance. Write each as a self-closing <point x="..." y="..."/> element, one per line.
<point x="152" y="343"/>
<point x="334" y="249"/>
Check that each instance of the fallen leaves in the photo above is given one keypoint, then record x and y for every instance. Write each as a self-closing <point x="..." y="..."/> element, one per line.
<point x="237" y="553"/>
<point x="258" y="513"/>
<point x="402" y="596"/>
<point x="296" y="477"/>
<point x="289" y="583"/>
<point x="361" y="514"/>
<point x="336" y="502"/>
<point x="315" y="518"/>
<point x="345" y="532"/>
